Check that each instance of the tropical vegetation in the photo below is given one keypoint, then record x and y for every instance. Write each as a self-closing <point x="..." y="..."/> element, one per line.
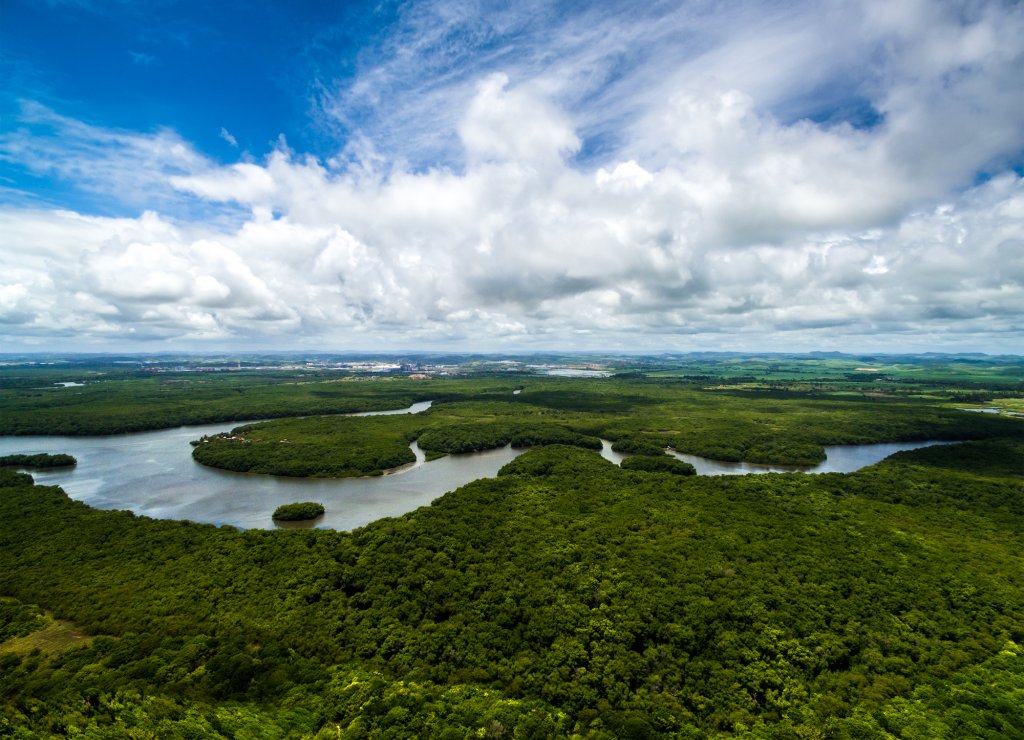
<point x="565" y="597"/>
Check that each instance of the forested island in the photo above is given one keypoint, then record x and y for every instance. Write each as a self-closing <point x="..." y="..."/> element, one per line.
<point x="40" y="461"/>
<point x="566" y="596"/>
<point x="298" y="512"/>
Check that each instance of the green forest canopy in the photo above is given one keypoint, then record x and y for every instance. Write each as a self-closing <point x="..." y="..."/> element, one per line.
<point x="640" y="417"/>
<point x="565" y="596"/>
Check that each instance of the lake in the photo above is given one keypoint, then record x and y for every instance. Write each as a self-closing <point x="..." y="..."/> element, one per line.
<point x="153" y="474"/>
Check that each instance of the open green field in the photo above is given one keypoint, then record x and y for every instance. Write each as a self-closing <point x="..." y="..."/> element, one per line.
<point x="566" y="597"/>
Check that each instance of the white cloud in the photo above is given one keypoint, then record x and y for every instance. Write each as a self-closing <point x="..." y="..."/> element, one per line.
<point x="503" y="125"/>
<point x="128" y="166"/>
<point x="226" y="135"/>
<point x="718" y="219"/>
<point x="243" y="182"/>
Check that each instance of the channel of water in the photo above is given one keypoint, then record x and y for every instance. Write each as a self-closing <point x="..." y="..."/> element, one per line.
<point x="838" y="459"/>
<point x="153" y="474"/>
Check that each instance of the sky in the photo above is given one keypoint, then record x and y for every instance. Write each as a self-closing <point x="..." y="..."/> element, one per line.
<point x="512" y="176"/>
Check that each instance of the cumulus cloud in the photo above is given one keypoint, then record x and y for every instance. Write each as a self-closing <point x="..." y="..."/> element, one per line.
<point x="513" y="126"/>
<point x="725" y="215"/>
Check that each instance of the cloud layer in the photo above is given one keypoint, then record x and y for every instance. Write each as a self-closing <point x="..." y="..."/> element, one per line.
<point x="670" y="181"/>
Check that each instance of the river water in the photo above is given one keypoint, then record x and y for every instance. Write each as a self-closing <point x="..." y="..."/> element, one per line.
<point x="839" y="459"/>
<point x="153" y="474"/>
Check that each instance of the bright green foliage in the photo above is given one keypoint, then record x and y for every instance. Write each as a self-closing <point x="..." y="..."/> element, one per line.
<point x="298" y="512"/>
<point x="38" y="461"/>
<point x="565" y="596"/>
<point x="981" y="701"/>
<point x="17" y="619"/>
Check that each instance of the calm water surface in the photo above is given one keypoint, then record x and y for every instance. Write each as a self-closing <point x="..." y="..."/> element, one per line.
<point x="153" y="474"/>
<point x="839" y="459"/>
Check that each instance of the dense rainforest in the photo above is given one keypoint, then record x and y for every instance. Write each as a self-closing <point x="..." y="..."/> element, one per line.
<point x="565" y="597"/>
<point x="107" y="398"/>
<point x="641" y="417"/>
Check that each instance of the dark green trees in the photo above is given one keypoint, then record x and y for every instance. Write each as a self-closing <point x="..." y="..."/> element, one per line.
<point x="298" y="512"/>
<point x="38" y="461"/>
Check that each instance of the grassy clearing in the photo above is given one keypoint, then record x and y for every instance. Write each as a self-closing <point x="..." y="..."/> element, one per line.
<point x="55" y="637"/>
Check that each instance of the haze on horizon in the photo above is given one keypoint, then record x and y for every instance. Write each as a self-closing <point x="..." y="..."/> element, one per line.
<point x="482" y="176"/>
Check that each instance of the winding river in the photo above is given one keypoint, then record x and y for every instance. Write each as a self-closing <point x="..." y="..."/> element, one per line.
<point x="153" y="474"/>
<point x="838" y="459"/>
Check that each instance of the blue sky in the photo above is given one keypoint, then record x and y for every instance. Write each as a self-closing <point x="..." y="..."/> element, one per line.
<point x="227" y="77"/>
<point x="502" y="176"/>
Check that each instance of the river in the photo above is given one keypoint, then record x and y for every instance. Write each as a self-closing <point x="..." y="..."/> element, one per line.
<point x="838" y="459"/>
<point x="153" y="474"/>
